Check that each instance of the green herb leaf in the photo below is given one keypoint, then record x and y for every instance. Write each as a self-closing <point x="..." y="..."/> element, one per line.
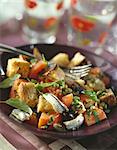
<point x="33" y="60"/>
<point x="44" y="85"/>
<point x="92" y="95"/>
<point x="61" y="83"/>
<point x="95" y="115"/>
<point x="51" y="120"/>
<point x="76" y="100"/>
<point x="14" y="102"/>
<point x="9" y="81"/>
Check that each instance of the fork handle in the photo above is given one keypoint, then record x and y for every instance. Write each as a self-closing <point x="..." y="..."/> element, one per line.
<point x="6" y="48"/>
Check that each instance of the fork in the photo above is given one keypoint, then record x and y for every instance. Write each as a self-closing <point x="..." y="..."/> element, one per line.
<point x="78" y="71"/>
<point x="9" y="49"/>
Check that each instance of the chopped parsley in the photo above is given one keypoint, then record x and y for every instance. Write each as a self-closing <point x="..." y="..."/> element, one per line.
<point x="95" y="115"/>
<point x="76" y="100"/>
<point x="50" y="120"/>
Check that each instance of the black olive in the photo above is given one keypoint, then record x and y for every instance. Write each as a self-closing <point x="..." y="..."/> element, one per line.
<point x="77" y="89"/>
<point x="68" y="116"/>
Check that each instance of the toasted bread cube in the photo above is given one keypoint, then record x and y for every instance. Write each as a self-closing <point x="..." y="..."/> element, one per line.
<point x="44" y="106"/>
<point x="16" y="65"/>
<point x="76" y="60"/>
<point x="27" y="93"/>
<point x="92" y="118"/>
<point x="14" y="89"/>
<point x="61" y="59"/>
<point x="109" y="98"/>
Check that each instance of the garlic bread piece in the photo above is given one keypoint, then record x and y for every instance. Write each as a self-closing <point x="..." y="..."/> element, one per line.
<point x="14" y="89"/>
<point x="43" y="105"/>
<point x="17" y="65"/>
<point x="109" y="97"/>
<point x="27" y="93"/>
<point x="76" y="60"/>
<point x="61" y="59"/>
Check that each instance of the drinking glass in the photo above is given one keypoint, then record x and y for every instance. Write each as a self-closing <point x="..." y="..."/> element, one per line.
<point x="90" y="21"/>
<point x="41" y="20"/>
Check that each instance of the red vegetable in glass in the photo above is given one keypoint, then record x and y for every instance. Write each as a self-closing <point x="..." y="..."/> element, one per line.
<point x="59" y="6"/>
<point x="50" y="22"/>
<point x="31" y="3"/>
<point x="82" y="24"/>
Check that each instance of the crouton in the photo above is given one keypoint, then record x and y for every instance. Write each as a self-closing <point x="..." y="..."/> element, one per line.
<point x="14" y="89"/>
<point x="27" y="93"/>
<point x="16" y="65"/>
<point x="76" y="60"/>
<point x="44" y="106"/>
<point x="61" y="59"/>
<point x="109" y="98"/>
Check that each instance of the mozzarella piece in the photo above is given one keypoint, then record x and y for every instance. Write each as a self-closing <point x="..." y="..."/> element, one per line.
<point x="20" y="115"/>
<point x="75" y="123"/>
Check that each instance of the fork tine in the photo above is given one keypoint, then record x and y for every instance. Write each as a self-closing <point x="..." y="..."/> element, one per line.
<point x="83" y="75"/>
<point x="81" y="67"/>
<point x="77" y="75"/>
<point x="79" y="70"/>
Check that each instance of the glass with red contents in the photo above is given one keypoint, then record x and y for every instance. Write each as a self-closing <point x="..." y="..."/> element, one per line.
<point x="90" y="21"/>
<point x="41" y="20"/>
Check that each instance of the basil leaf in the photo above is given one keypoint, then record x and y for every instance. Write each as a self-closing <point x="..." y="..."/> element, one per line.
<point x="14" y="102"/>
<point x="91" y="94"/>
<point x="44" y="85"/>
<point x="9" y="81"/>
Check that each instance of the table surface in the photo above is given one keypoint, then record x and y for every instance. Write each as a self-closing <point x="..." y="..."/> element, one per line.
<point x="11" y="34"/>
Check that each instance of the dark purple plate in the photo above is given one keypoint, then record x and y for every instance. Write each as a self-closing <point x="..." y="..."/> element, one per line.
<point x="49" y="51"/>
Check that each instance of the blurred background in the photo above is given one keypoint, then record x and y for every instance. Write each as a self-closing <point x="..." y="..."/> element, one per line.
<point x="90" y="24"/>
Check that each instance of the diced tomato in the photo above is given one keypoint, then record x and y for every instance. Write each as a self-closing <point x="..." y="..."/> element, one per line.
<point x="50" y="22"/>
<point x="67" y="99"/>
<point x="84" y="97"/>
<point x="82" y="24"/>
<point x="57" y="119"/>
<point x="38" y="67"/>
<point x="31" y="3"/>
<point x="54" y="90"/>
<point x="33" y="120"/>
<point x="95" y="71"/>
<point x="59" y="6"/>
<point x="43" y="120"/>
<point x="91" y="119"/>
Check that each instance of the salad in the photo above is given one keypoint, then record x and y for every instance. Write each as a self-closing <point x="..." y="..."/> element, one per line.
<point x="41" y="94"/>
